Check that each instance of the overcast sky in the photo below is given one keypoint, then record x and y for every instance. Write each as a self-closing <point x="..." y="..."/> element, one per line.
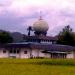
<point x="17" y="15"/>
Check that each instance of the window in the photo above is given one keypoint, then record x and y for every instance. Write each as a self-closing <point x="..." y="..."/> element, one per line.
<point x="25" y="52"/>
<point x="14" y="51"/>
<point x="4" y="51"/>
<point x="11" y="51"/>
<point x="18" y="51"/>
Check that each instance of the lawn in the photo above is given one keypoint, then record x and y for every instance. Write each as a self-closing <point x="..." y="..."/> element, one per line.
<point x="37" y="67"/>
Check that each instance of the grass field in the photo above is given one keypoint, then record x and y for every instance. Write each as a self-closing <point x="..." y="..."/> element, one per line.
<point x="37" y="67"/>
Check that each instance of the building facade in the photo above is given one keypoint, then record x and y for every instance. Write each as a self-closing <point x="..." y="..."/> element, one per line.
<point x="37" y="46"/>
<point x="36" y="50"/>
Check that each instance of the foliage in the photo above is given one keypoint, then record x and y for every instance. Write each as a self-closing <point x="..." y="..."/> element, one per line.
<point x="37" y="67"/>
<point x="66" y="37"/>
<point x="5" y="37"/>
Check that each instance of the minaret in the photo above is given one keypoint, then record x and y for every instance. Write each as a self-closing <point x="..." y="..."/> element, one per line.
<point x="29" y="30"/>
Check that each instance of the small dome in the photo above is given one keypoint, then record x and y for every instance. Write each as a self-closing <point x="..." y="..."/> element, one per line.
<point x="40" y="26"/>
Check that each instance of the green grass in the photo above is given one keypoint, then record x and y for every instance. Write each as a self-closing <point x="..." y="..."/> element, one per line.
<point x="37" y="66"/>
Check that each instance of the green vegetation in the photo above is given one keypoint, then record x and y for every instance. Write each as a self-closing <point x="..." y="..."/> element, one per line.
<point x="37" y="67"/>
<point x="5" y="37"/>
<point x="66" y="36"/>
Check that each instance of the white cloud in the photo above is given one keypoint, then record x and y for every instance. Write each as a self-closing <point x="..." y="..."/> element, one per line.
<point x="58" y="13"/>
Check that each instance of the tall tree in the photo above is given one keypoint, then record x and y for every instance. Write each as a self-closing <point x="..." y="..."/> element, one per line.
<point x="66" y="36"/>
<point x="5" y="37"/>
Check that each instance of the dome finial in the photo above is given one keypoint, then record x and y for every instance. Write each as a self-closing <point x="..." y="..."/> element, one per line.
<point x="40" y="17"/>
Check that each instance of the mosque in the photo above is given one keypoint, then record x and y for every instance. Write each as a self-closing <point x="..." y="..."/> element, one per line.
<point x="38" y="46"/>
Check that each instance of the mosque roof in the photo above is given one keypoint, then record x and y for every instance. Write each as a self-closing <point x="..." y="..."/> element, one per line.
<point x="47" y="47"/>
<point x="41" y="37"/>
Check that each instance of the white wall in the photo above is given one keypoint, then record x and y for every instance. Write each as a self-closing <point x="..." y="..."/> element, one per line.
<point x="4" y="55"/>
<point x="38" y="53"/>
<point x="34" y="53"/>
<point x="70" y="55"/>
<point x="22" y="55"/>
<point x="18" y="55"/>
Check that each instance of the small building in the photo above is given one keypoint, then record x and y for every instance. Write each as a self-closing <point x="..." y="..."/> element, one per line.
<point x="36" y="50"/>
<point x="38" y="46"/>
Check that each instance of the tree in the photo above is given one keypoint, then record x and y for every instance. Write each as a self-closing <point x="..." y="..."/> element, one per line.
<point x="5" y="37"/>
<point x="66" y="36"/>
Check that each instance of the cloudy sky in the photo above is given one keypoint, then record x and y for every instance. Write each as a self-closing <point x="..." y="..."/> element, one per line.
<point x="17" y="15"/>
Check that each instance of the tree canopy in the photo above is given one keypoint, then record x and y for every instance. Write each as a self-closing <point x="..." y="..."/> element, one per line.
<point x="5" y="37"/>
<point x="66" y="36"/>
